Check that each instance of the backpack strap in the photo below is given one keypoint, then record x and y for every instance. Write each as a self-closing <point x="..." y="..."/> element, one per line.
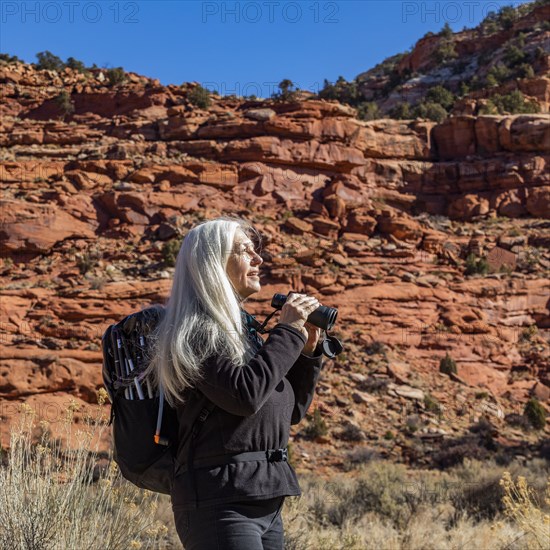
<point x="159" y="440"/>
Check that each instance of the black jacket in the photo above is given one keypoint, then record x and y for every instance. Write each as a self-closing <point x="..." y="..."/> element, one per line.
<point x="255" y="406"/>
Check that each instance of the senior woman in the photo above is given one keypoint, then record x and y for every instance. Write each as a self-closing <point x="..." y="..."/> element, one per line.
<point x="233" y="473"/>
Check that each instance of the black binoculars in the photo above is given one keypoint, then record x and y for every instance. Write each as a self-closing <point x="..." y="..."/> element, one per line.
<point x="323" y="317"/>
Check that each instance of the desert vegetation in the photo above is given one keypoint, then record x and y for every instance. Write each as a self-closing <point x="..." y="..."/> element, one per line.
<point x="59" y="493"/>
<point x="47" y="61"/>
<point x="385" y="506"/>
<point x="381" y="92"/>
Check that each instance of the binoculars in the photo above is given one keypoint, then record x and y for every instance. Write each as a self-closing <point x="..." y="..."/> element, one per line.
<point x="323" y="317"/>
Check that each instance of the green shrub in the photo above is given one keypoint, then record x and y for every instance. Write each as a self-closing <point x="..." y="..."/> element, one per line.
<point x="88" y="260"/>
<point x="525" y="70"/>
<point x="381" y="488"/>
<point x="528" y="333"/>
<point x="447" y="365"/>
<point x="440" y="94"/>
<point x="9" y="58"/>
<point x="387" y="66"/>
<point x="520" y="39"/>
<point x="170" y="250"/>
<point x="431" y="403"/>
<point x="498" y="73"/>
<point x="463" y="89"/>
<point x="477" y="492"/>
<point x="488" y="109"/>
<point x="507" y="15"/>
<point x="431" y="111"/>
<point x="65" y="104"/>
<point x="76" y="65"/>
<point x="491" y="81"/>
<point x="504" y="19"/>
<point x="540" y="53"/>
<point x="48" y="61"/>
<point x="477" y="83"/>
<point x="402" y="111"/>
<point x="395" y="79"/>
<point x="513" y="55"/>
<point x="97" y="283"/>
<point x="375" y="385"/>
<point x="518" y="421"/>
<point x="200" y="97"/>
<point x="368" y="110"/>
<point x="446" y="31"/>
<point x="287" y="91"/>
<point x="342" y="91"/>
<point x="329" y="91"/>
<point x="351" y="432"/>
<point x="316" y="426"/>
<point x="116" y="76"/>
<point x="535" y="413"/>
<point x="376" y="348"/>
<point x="412" y="424"/>
<point x="514" y="103"/>
<point x="286" y="215"/>
<point x="445" y="52"/>
<point x="490" y="26"/>
<point x="360" y="455"/>
<point x="475" y="265"/>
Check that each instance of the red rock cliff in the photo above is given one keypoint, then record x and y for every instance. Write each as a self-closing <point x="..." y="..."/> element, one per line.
<point x="376" y="218"/>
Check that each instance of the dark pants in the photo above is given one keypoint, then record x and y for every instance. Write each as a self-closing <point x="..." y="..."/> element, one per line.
<point x="246" y="525"/>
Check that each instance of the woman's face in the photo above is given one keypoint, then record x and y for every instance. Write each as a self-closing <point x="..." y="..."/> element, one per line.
<point x="243" y="266"/>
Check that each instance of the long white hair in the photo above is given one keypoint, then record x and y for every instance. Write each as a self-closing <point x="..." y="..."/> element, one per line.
<point x="202" y="315"/>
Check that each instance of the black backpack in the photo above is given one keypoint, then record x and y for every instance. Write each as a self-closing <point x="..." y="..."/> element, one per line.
<point x="145" y="427"/>
<point x="144" y="455"/>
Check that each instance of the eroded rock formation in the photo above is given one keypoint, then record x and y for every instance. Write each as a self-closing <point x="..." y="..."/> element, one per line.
<point x="376" y="218"/>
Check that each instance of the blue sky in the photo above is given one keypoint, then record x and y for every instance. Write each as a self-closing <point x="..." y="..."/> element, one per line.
<point x="244" y="47"/>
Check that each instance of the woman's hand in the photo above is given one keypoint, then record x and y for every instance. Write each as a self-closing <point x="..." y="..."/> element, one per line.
<point x="314" y="333"/>
<point x="296" y="310"/>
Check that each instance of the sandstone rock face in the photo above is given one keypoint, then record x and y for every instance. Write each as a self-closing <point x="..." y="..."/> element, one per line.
<point x="468" y="206"/>
<point x="375" y="218"/>
<point x="525" y="133"/>
<point x="31" y="227"/>
<point x="538" y="202"/>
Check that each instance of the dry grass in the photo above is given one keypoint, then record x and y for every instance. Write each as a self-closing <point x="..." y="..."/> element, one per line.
<point x="387" y="507"/>
<point x="523" y="506"/>
<point x="54" y="496"/>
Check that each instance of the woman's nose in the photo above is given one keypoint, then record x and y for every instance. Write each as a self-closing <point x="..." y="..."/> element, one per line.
<point x="257" y="259"/>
